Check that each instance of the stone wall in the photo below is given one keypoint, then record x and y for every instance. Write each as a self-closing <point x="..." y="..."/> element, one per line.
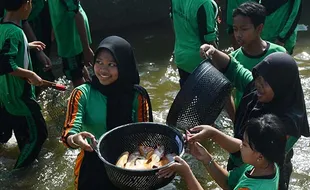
<point x="108" y="14"/>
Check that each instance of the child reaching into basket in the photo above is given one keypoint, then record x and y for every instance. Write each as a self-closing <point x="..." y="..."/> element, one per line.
<point x="113" y="98"/>
<point x="262" y="150"/>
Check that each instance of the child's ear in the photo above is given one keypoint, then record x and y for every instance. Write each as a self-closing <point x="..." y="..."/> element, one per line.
<point x="260" y="28"/>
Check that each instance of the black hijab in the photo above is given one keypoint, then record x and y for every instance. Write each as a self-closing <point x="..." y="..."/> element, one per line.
<point x="120" y="94"/>
<point x="281" y="72"/>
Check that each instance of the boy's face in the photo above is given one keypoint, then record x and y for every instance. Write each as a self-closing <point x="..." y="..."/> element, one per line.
<point x="244" y="30"/>
<point x="26" y="9"/>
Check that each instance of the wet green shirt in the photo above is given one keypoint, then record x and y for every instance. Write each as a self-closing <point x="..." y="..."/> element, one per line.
<point x="185" y="15"/>
<point x="63" y="21"/>
<point x="249" y="61"/>
<point x="14" y="54"/>
<point x="240" y="179"/>
<point x="87" y="111"/>
<point x="281" y="22"/>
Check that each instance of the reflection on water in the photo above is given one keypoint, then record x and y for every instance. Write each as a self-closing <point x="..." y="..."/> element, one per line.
<point x="153" y="47"/>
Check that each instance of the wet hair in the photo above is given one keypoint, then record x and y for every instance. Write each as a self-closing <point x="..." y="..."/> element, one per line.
<point x="267" y="136"/>
<point x="13" y="5"/>
<point x="253" y="10"/>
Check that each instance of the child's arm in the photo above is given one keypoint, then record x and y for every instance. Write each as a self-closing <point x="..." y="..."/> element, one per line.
<point x="183" y="169"/>
<point x="230" y="144"/>
<point x="42" y="57"/>
<point x="87" y="51"/>
<point x="31" y="76"/>
<point x="219" y="59"/>
<point x="219" y="174"/>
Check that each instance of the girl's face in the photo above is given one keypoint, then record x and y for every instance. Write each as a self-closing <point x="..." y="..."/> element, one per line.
<point x="265" y="93"/>
<point x="105" y="67"/>
<point x="249" y="156"/>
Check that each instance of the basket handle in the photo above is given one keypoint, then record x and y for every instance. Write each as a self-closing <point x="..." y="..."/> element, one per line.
<point x="94" y="144"/>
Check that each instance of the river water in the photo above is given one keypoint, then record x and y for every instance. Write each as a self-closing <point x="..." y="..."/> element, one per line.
<point x="153" y="45"/>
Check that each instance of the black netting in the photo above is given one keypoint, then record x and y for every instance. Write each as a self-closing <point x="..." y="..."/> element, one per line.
<point x="201" y="99"/>
<point x="128" y="138"/>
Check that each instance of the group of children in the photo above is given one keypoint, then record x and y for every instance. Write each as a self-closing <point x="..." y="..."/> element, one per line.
<point x="263" y="34"/>
<point x="270" y="111"/>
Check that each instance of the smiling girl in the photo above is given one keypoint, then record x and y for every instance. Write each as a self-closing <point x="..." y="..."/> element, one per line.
<point x="113" y="98"/>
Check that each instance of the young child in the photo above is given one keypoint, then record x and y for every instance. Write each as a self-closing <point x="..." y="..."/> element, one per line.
<point x="71" y="29"/>
<point x="113" y="98"/>
<point x="194" y="23"/>
<point x="231" y="5"/>
<point x="248" y="23"/>
<point x="282" y="19"/>
<point x="274" y="87"/>
<point x="262" y="150"/>
<point x="18" y="109"/>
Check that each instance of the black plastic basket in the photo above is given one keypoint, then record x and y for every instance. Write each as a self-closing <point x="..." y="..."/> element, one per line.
<point x="127" y="138"/>
<point x="201" y="99"/>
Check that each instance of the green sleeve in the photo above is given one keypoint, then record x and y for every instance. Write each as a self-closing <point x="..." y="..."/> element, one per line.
<point x="75" y="111"/>
<point x="211" y="25"/>
<point x="238" y="75"/>
<point x="292" y="21"/>
<point x="72" y="5"/>
<point x="235" y="175"/>
<point x="8" y="53"/>
<point x="290" y="143"/>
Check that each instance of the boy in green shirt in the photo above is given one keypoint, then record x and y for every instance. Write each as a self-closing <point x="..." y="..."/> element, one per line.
<point x="281" y="21"/>
<point x="18" y="109"/>
<point x="71" y="29"/>
<point x="195" y="23"/>
<point x="248" y="23"/>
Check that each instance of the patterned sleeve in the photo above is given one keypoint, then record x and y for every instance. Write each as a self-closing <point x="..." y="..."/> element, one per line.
<point x="74" y="116"/>
<point x="72" y="5"/>
<point x="143" y="105"/>
<point x="8" y="55"/>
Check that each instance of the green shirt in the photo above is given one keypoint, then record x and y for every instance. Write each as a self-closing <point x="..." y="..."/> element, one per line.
<point x="88" y="111"/>
<point x="14" y="54"/>
<point x="187" y="31"/>
<point x="239" y="179"/>
<point x="281" y="23"/>
<point x="249" y="61"/>
<point x="63" y="21"/>
<point x="37" y="7"/>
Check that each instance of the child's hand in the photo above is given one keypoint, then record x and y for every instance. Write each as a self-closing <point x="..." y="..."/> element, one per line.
<point x="199" y="152"/>
<point x="88" y="57"/>
<point x="206" y="50"/>
<point x="203" y="132"/>
<point x="38" y="45"/>
<point x="179" y="166"/>
<point x="47" y="64"/>
<point x="80" y="140"/>
<point x="34" y="79"/>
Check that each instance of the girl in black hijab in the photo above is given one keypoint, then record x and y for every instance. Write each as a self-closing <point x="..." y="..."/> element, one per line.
<point x="273" y="87"/>
<point x="113" y="98"/>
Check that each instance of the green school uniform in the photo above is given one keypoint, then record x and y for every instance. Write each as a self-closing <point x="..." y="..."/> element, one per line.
<point x="66" y="33"/>
<point x="240" y="179"/>
<point x="186" y="17"/>
<point x="14" y="53"/>
<point x="281" y="22"/>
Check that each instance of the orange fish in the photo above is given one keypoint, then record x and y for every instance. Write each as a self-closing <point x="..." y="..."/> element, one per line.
<point x="146" y="151"/>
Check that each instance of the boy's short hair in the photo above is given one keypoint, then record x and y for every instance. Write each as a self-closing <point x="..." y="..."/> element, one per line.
<point x="13" y="5"/>
<point x="256" y="12"/>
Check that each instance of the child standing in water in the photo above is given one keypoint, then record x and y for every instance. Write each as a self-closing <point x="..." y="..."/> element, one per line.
<point x="72" y="33"/>
<point x="113" y="98"/>
<point x="262" y="150"/>
<point x="19" y="110"/>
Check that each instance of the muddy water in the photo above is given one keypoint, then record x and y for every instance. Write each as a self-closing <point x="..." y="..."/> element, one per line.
<point x="153" y="47"/>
